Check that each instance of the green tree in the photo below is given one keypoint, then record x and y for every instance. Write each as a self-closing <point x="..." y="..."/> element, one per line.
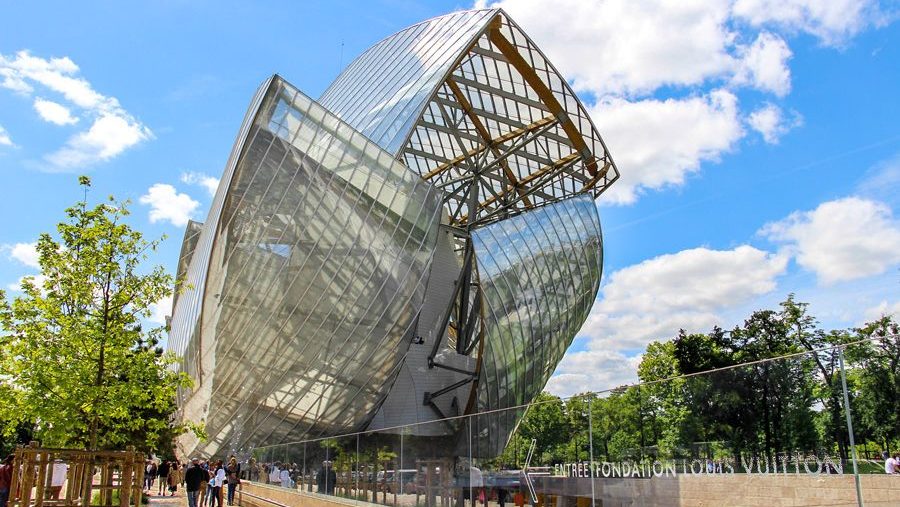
<point x="546" y="422"/>
<point x="878" y="376"/>
<point x="77" y="361"/>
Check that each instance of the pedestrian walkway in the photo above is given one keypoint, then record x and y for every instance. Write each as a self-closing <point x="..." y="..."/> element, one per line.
<point x="179" y="500"/>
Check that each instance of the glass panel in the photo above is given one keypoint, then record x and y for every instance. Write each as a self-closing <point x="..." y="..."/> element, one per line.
<point x="710" y="433"/>
<point x="315" y="276"/>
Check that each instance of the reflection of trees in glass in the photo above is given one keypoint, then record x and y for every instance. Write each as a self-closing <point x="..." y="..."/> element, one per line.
<point x="765" y="410"/>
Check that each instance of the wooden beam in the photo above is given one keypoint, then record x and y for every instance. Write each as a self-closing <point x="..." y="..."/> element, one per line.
<point x="543" y="92"/>
<point x="509" y="136"/>
<point x="486" y="135"/>
<point x="563" y="162"/>
<point x="597" y="177"/>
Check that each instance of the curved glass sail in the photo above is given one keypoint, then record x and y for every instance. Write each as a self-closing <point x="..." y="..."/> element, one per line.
<point x="316" y="271"/>
<point x="539" y="273"/>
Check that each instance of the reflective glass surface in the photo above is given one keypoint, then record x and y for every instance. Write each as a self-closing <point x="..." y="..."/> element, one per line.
<point x="321" y="247"/>
<point x="539" y="272"/>
<point x="383" y="92"/>
<point x="747" y="434"/>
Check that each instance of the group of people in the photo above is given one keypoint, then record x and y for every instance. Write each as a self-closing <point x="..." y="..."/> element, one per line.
<point x="167" y="472"/>
<point x="205" y="481"/>
<point x="288" y="475"/>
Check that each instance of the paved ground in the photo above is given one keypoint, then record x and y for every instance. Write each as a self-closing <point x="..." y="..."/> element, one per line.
<point x="179" y="500"/>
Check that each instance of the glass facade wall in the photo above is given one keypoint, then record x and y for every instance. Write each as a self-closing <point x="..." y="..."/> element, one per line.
<point x="384" y="256"/>
<point x="539" y="274"/>
<point x="747" y="434"/>
<point x="316" y="272"/>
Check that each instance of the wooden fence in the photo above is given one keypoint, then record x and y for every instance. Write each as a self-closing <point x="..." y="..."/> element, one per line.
<point x="69" y="478"/>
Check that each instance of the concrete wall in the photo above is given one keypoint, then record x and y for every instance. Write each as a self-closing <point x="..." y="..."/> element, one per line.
<point x="682" y="491"/>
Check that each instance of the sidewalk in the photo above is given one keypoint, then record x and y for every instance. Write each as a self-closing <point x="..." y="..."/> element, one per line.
<point x="179" y="500"/>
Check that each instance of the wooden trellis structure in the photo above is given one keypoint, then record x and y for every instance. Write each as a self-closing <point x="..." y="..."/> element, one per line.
<point x="69" y="478"/>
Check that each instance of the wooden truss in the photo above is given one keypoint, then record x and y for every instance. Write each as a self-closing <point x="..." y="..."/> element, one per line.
<point x="504" y="133"/>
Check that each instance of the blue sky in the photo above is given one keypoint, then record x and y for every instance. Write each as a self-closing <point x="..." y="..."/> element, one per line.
<point x="758" y="140"/>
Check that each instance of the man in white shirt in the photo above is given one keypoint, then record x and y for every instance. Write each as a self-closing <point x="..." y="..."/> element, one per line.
<point x="891" y="464"/>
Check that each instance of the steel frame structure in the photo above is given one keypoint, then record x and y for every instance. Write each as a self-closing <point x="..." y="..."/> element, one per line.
<point x="482" y="165"/>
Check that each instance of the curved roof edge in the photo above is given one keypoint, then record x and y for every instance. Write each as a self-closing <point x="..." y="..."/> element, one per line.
<point x="370" y="96"/>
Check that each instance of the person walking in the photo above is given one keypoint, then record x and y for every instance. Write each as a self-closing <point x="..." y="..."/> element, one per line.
<point x="6" y="470"/>
<point x="285" y="477"/>
<point x="204" y="483"/>
<point x="232" y="473"/>
<point x="162" y="474"/>
<point x="193" y="477"/>
<point x="150" y="475"/>
<point x="174" y="477"/>
<point x="215" y="484"/>
<point x="275" y="473"/>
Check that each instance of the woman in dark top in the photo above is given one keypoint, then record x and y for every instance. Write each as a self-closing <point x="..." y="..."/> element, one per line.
<point x="232" y="474"/>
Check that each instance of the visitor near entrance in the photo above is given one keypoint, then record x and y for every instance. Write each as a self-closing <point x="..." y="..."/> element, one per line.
<point x="326" y="478"/>
<point x="215" y="484"/>
<point x="194" y="476"/>
<point x="285" y="477"/>
<point x="162" y="473"/>
<point x="150" y="475"/>
<point x="891" y="464"/>
<point x="275" y="473"/>
<point x="174" y="477"/>
<point x="233" y="472"/>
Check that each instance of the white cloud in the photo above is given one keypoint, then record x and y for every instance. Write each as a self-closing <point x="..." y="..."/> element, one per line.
<point x="37" y="280"/>
<point x="26" y="253"/>
<point x="841" y="240"/>
<point x="764" y="65"/>
<point x="53" y="112"/>
<point x="112" y="129"/>
<point x="4" y="137"/>
<point x="108" y="136"/>
<point x="628" y="46"/>
<point x="882" y="181"/>
<point x="883" y="310"/>
<point x="656" y="143"/>
<point x="833" y="22"/>
<point x="167" y="204"/>
<point x="692" y="289"/>
<point x="770" y="121"/>
<point x="593" y="371"/>
<point x="160" y="310"/>
<point x="195" y="178"/>
<point x="657" y="297"/>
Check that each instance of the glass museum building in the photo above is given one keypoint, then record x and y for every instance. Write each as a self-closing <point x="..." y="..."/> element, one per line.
<point x="417" y="245"/>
